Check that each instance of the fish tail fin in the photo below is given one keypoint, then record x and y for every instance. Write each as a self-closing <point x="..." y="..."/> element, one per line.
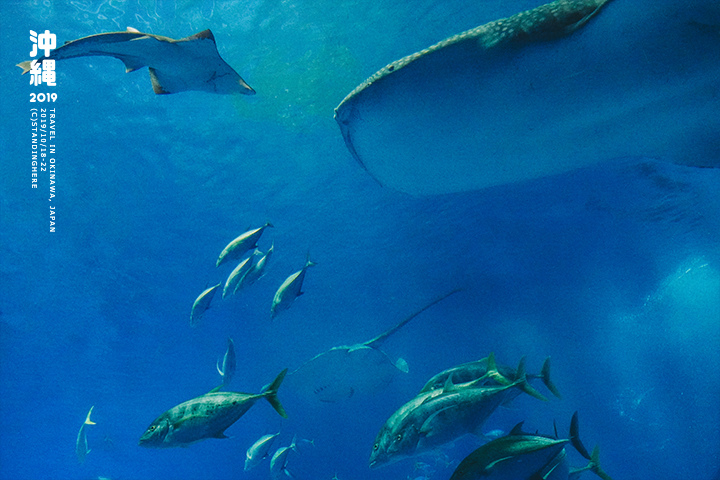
<point x="87" y="419"/>
<point x="522" y="384"/>
<point x="308" y="262"/>
<point x="545" y="376"/>
<point x="26" y="66"/>
<point x="575" y="437"/>
<point x="594" y="465"/>
<point x="270" y="394"/>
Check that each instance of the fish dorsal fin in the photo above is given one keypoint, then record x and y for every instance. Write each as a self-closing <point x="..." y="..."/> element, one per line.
<point x="555" y="428"/>
<point x="133" y="30"/>
<point x="377" y="341"/>
<point x="517" y="429"/>
<point x="216" y="389"/>
<point x="449" y="385"/>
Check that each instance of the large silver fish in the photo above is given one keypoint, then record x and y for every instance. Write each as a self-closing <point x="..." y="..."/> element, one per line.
<point x="201" y="304"/>
<point x="191" y="63"/>
<point x="207" y="416"/>
<point x="471" y="371"/>
<point x="436" y="421"/>
<point x="524" y="456"/>
<point x="564" y="85"/>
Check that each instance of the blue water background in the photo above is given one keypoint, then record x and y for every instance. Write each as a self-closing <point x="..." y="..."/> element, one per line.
<point x="614" y="271"/>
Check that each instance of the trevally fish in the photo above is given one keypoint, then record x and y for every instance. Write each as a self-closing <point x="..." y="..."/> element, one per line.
<point x="201" y="304"/>
<point x="338" y="373"/>
<point x="290" y="289"/>
<point x="565" y="85"/>
<point x="191" y="63"/>
<point x="257" y="271"/>
<point x="228" y="364"/>
<point x="236" y="276"/>
<point x="278" y="462"/>
<point x="241" y="245"/>
<point x="524" y="456"/>
<point x="437" y="420"/>
<point x="81" y="444"/>
<point x="259" y="450"/>
<point x="207" y="416"/>
<point x="468" y="372"/>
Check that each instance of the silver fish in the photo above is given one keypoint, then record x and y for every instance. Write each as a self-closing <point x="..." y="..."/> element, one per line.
<point x="259" y="450"/>
<point x="257" y="271"/>
<point x="201" y="304"/>
<point x="81" y="444"/>
<point x="228" y="365"/>
<point x="207" y="416"/>
<point x="241" y="245"/>
<point x="236" y="276"/>
<point x="278" y="462"/>
<point x="290" y="289"/>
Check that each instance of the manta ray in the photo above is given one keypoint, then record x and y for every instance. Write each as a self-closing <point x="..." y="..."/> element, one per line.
<point x="567" y="84"/>
<point x="340" y="372"/>
<point x="191" y="63"/>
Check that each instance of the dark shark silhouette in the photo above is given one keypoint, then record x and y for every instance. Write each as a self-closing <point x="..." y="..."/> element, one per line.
<point x="191" y="63"/>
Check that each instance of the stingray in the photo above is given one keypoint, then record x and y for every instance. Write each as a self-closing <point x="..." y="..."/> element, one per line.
<point x="565" y="85"/>
<point x="340" y="372"/>
<point x="191" y="63"/>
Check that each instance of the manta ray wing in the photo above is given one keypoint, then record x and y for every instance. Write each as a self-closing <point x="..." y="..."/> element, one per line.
<point x="565" y="85"/>
<point x="191" y="63"/>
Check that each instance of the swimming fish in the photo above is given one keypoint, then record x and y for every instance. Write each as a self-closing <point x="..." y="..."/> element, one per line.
<point x="201" y="304"/>
<point x="241" y="245"/>
<point x="565" y="85"/>
<point x="228" y="365"/>
<point x="191" y="63"/>
<point x="336" y="374"/>
<point x="259" y="450"/>
<point x="257" y="271"/>
<point x="290" y="289"/>
<point x="81" y="444"/>
<point x="206" y="416"/>
<point x="236" y="276"/>
<point x="437" y="420"/>
<point x="468" y="372"/>
<point x="524" y="456"/>
<point x="278" y="462"/>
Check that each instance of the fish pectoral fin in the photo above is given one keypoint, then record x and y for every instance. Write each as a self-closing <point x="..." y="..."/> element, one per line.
<point x="492" y="465"/>
<point x="220" y="435"/>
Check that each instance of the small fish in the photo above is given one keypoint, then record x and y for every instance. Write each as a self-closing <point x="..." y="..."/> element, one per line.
<point x="290" y="289"/>
<point x="259" y="450"/>
<point x="206" y="416"/>
<point x="278" y="462"/>
<point x="241" y="245"/>
<point x="257" y="271"/>
<point x="201" y="304"/>
<point x="81" y="445"/>
<point x="228" y="364"/>
<point x="236" y="276"/>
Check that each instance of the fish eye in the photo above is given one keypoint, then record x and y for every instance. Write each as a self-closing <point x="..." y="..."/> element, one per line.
<point x="399" y="437"/>
<point x="375" y="447"/>
<point x="152" y="429"/>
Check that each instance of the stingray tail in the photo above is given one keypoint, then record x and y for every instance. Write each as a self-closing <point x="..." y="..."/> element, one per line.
<point x="270" y="394"/>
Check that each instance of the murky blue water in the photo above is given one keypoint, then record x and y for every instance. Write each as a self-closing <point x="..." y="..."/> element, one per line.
<point x="614" y="271"/>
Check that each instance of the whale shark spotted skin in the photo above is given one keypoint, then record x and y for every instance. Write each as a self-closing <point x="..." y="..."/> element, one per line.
<point x="191" y="63"/>
<point x="565" y="85"/>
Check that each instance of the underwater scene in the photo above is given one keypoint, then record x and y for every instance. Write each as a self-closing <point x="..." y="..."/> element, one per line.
<point x="355" y="240"/>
